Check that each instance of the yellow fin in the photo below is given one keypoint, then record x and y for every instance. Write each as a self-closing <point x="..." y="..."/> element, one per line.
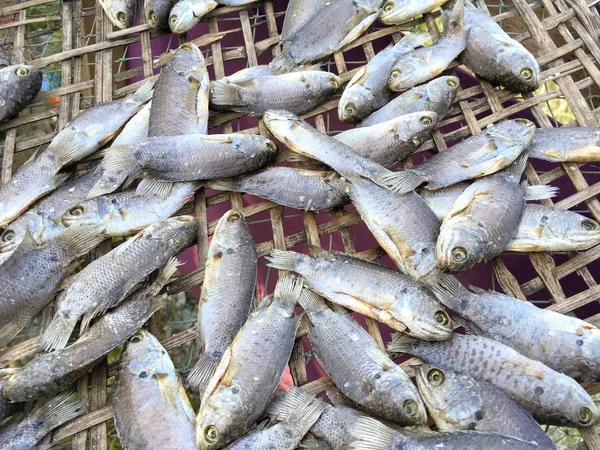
<point x="525" y="368"/>
<point x="359" y="77"/>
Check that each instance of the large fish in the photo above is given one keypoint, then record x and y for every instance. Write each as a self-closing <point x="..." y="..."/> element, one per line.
<point x="106" y="281"/>
<point x="157" y="13"/>
<point x="227" y="291"/>
<point x="120" y="12"/>
<point x="566" y="144"/>
<point x="358" y="367"/>
<point x="185" y="14"/>
<point x="151" y="406"/>
<point x="395" y="12"/>
<point x="298" y="14"/>
<point x="551" y="397"/>
<point x="19" y="84"/>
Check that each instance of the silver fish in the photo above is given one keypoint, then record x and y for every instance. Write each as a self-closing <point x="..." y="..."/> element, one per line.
<point x="404" y="304"/>
<point x="187" y="13"/>
<point x="298" y="14"/>
<point x="157" y="13"/>
<point x="459" y="402"/>
<point x="368" y="89"/>
<point x="551" y="397"/>
<point x="120" y="12"/>
<point x="395" y="12"/>
<point x="301" y="189"/>
<point x="106" y="281"/>
<point x="358" y="367"/>
<point x="336" y="422"/>
<point x="229" y="282"/>
<point x="566" y="144"/>
<point x="426" y="63"/>
<point x="136" y="128"/>
<point x="19" y="84"/>
<point x="436" y="96"/>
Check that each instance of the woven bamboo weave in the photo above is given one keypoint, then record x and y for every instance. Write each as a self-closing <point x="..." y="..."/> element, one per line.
<point x="75" y="39"/>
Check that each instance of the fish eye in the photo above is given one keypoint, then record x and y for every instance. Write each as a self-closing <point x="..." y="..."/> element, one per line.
<point x="76" y="211"/>
<point x="396" y="74"/>
<point x="527" y="73"/>
<point x="173" y="20"/>
<point x="350" y="109"/>
<point x="184" y="219"/>
<point x="459" y="254"/>
<point x="409" y="407"/>
<point x="589" y="225"/>
<point x="234" y="217"/>
<point x="584" y="415"/>
<point x="22" y="71"/>
<point x="152" y="16"/>
<point x="121" y="17"/>
<point x="336" y="82"/>
<point x="442" y="318"/>
<point x="8" y="236"/>
<point x="211" y="434"/>
<point x="435" y="377"/>
<point x="137" y="337"/>
<point x="388" y="6"/>
<point x="451" y="82"/>
<point x="426" y="121"/>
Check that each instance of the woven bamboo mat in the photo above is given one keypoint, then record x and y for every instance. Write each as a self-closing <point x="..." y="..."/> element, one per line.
<point x="86" y="62"/>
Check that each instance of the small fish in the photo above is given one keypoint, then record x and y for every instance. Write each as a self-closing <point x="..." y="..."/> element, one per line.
<point x="147" y="377"/>
<point x="458" y="402"/>
<point x="426" y="63"/>
<point x="484" y="218"/>
<point x="185" y="14"/>
<point x="494" y="56"/>
<point x="26" y="433"/>
<point x="336" y="24"/>
<point x="226" y="297"/>
<point x="483" y="154"/>
<point x="368" y="89"/>
<point x="42" y="220"/>
<point x="551" y="397"/>
<point x="336" y="422"/>
<point x="395" y="12"/>
<point x="297" y="92"/>
<point x="48" y="373"/>
<point x="32" y="275"/>
<point x="566" y="144"/>
<point x="181" y="93"/>
<point x="157" y="13"/>
<point x="370" y="434"/>
<point x="295" y="412"/>
<point x="120" y="12"/>
<point x="19" y="84"/>
<point x="106" y="281"/>
<point x="125" y="213"/>
<point x="437" y="96"/>
<point x="563" y="343"/>
<point x="302" y="138"/>
<point x="185" y="158"/>
<point x="358" y="367"/>
<point x="298" y="14"/>
<point x="404" y="304"/>
<point x="301" y="189"/>
<point x="250" y="369"/>
<point x="395" y="140"/>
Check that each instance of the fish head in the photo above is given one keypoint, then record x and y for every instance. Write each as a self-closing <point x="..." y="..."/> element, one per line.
<point x="324" y="83"/>
<point x="524" y="74"/>
<point x="187" y="58"/>
<point x="11" y="237"/>
<point x="23" y="82"/>
<point x="354" y="103"/>
<point x="394" y="12"/>
<point x="413" y="409"/>
<point x="142" y="351"/>
<point x="461" y="244"/>
<point x="443" y="90"/>
<point x="88" y="212"/>
<point x="187" y="13"/>
<point x="157" y="15"/>
<point x="419" y="125"/>
<point x="120" y="12"/>
<point x="517" y="132"/>
<point x="228" y="231"/>
<point x="409" y="70"/>
<point x="218" y="424"/>
<point x="181" y="230"/>
<point x="571" y="228"/>
<point x="279" y="122"/>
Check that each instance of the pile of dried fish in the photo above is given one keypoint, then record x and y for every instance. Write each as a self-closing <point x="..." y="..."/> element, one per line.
<point x="517" y="367"/>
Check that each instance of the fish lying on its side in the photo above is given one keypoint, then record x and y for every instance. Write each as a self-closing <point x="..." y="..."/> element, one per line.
<point x="336" y="422"/>
<point x="120" y="12"/>
<point x="566" y="144"/>
<point x="395" y="12"/>
<point x="19" y="84"/>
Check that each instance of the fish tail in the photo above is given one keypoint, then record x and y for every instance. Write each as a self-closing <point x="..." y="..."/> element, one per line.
<point x="151" y="187"/>
<point x="226" y="94"/>
<point x="66" y="148"/>
<point x="540" y="192"/>
<point x="370" y="434"/>
<point x="202" y="372"/>
<point x="401" y="343"/>
<point x="288" y="290"/>
<point x="121" y="158"/>
<point x="58" y="411"/>
<point x="58" y="332"/>
<point x="402" y="182"/>
<point x="304" y="416"/>
<point x="224" y="185"/>
<point x="144" y="92"/>
<point x="311" y="301"/>
<point x="80" y="239"/>
<point x="283" y="260"/>
<point x="286" y="402"/>
<point x="283" y="63"/>
<point x="168" y="271"/>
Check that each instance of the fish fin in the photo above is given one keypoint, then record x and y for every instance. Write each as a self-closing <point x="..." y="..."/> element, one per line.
<point x="218" y="138"/>
<point x="168" y="270"/>
<point x="27" y="244"/>
<point x="287" y="291"/>
<point x="298" y="158"/>
<point x="306" y="416"/>
<point x="224" y="185"/>
<point x="449" y="291"/>
<point x="468" y="325"/>
<point x="286" y="402"/>
<point x="58" y="332"/>
<point x="151" y="187"/>
<point x="227" y="94"/>
<point x="402" y="182"/>
<point x="202" y="372"/>
<point x="80" y="239"/>
<point x="359" y="77"/>
<point x="106" y="184"/>
<point x="337" y="398"/>
<point x="129" y="242"/>
<point x="312" y="302"/>
<point x="144" y="92"/>
<point x="67" y="148"/>
<point x="484" y="152"/>
<point x="282" y="260"/>
<point x="121" y="158"/>
<point x="357" y="31"/>
<point x="58" y="411"/>
<point x="540" y="192"/>
<point x="524" y="367"/>
<point x="461" y="204"/>
<point x="414" y="40"/>
<point x="454" y="26"/>
<point x="401" y="343"/>
<point x="371" y="434"/>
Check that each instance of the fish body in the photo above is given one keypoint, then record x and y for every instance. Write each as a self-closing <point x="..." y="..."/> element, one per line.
<point x="358" y="367"/>
<point x="148" y="391"/>
<point x="389" y="142"/>
<point x="335" y="24"/>
<point x="460" y="402"/>
<point x="106" y="281"/>
<point x="335" y="426"/>
<point x="494" y="56"/>
<point x="301" y="189"/>
<point x="136" y="128"/>
<point x="229" y="282"/>
<point x="297" y="92"/>
<point x="32" y="275"/>
<point x="395" y="12"/>
<point x="157" y="13"/>
<point x="26" y="433"/>
<point x="49" y="373"/>
<point x="185" y="14"/>
<point x="120" y="12"/>
<point x="368" y="91"/>
<point x="566" y="144"/>
<point x="370" y="289"/>
<point x="436" y="96"/>
<point x="180" y="101"/>
<point x="426" y="63"/>
<point x="441" y="200"/>
<point x="250" y="369"/>
<point x="551" y="397"/>
<point x="125" y="213"/>
<point x="298" y="14"/>
<point x="19" y="84"/>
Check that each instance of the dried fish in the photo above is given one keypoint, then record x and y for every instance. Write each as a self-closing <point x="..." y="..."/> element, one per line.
<point x="566" y="144"/>
<point x="185" y="14"/>
<point x="157" y="13"/>
<point x="395" y="12"/>
<point x="120" y="12"/>
<point x="19" y="84"/>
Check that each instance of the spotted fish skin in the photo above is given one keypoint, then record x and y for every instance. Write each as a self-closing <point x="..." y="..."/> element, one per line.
<point x="19" y="84"/>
